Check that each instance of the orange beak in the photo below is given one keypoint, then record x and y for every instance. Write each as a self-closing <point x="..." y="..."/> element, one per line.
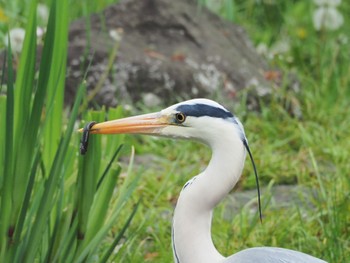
<point x="151" y="123"/>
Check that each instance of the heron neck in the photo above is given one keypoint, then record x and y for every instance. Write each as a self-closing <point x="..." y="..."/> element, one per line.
<point x="192" y="240"/>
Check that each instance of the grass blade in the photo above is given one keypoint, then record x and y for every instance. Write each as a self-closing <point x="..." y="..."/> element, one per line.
<point x="87" y="179"/>
<point x="6" y="228"/>
<point x="100" y="207"/>
<point x="123" y="195"/>
<point x="56" y="82"/>
<point x="42" y="214"/>
<point x="2" y="138"/>
<point x="109" y="252"/>
<point x="109" y="166"/>
<point x="25" y="75"/>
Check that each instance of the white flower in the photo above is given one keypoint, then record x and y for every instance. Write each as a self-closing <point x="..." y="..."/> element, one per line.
<point x="16" y="38"/>
<point x="40" y="32"/>
<point x="116" y="34"/>
<point x="327" y="18"/>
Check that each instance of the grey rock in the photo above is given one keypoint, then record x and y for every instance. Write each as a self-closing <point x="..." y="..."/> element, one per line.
<point x="173" y="50"/>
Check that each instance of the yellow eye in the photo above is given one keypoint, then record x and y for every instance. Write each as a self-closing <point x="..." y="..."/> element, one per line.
<point x="180" y="117"/>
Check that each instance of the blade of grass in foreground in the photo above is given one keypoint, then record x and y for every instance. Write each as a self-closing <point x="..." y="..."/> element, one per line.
<point x="109" y="166"/>
<point x="103" y="197"/>
<point x="2" y="138"/>
<point x="94" y="196"/>
<point x="109" y="252"/>
<point x="28" y="125"/>
<point x="6" y="229"/>
<point x="34" y="238"/>
<point x="124" y="194"/>
<point x="25" y="75"/>
<point x="87" y="180"/>
<point x="55" y="93"/>
<point x="15" y="251"/>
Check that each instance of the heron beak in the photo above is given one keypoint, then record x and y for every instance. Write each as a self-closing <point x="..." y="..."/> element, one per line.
<point x="151" y="123"/>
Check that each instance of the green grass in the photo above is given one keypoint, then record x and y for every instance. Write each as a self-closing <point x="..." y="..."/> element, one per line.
<point x="310" y="150"/>
<point x="56" y="206"/>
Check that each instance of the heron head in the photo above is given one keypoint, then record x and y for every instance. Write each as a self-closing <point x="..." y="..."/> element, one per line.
<point x="200" y="119"/>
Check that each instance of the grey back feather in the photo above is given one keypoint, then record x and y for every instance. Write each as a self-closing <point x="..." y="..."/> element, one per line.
<point x="271" y="255"/>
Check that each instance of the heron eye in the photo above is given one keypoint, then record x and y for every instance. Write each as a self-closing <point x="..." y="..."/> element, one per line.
<point x="180" y="117"/>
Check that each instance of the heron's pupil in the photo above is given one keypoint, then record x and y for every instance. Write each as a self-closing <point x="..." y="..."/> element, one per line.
<point x="180" y="117"/>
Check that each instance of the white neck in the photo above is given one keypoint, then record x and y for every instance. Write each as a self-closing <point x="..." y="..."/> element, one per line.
<point x="192" y="240"/>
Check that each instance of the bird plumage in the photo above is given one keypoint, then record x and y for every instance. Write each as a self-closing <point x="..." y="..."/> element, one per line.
<point x="271" y="255"/>
<point x="210" y="123"/>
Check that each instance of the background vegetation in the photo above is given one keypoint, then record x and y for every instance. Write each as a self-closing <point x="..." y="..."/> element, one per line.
<point x="297" y="138"/>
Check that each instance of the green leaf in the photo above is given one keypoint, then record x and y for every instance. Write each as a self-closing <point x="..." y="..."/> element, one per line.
<point x="124" y="194"/>
<point x="56" y="83"/>
<point x="100" y="207"/>
<point x="33" y="242"/>
<point x="109" y="166"/>
<point x="25" y="75"/>
<point x="109" y="252"/>
<point x="6" y="227"/>
<point x="2" y="138"/>
<point x="87" y="180"/>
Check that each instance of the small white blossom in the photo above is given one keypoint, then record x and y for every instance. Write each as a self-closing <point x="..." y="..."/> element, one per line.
<point x="40" y="32"/>
<point x="327" y="18"/>
<point x="16" y="38"/>
<point x="116" y="34"/>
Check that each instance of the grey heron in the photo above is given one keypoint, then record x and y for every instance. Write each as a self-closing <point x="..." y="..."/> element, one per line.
<point x="210" y="123"/>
